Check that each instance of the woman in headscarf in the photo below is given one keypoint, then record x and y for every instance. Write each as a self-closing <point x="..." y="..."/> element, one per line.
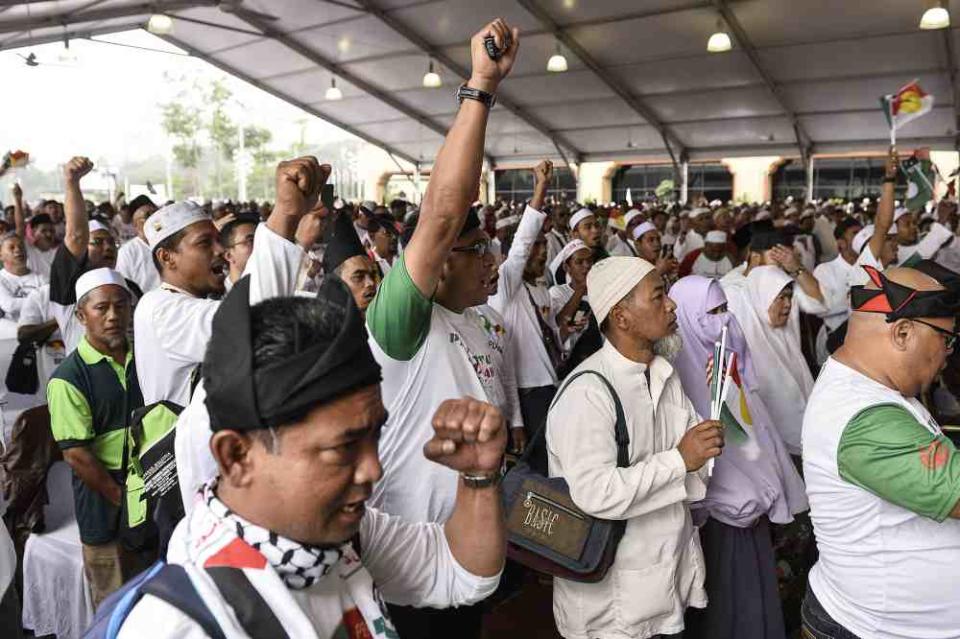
<point x="770" y="320"/>
<point x="753" y="482"/>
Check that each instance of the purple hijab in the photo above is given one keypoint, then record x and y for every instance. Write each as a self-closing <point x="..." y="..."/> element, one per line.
<point x="742" y="488"/>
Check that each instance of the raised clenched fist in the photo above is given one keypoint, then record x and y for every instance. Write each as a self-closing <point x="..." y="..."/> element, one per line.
<point x="469" y="436"/>
<point x="298" y="184"/>
<point x="76" y="168"/>
<point x="487" y="73"/>
<point x="543" y="173"/>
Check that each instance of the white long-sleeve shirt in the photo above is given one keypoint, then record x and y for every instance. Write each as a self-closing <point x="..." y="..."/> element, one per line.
<point x="530" y="359"/>
<point x="658" y="570"/>
<point x="172" y="327"/>
<point x="410" y="564"/>
<point x="14" y="290"/>
<point x="834" y="278"/>
<point x="135" y="262"/>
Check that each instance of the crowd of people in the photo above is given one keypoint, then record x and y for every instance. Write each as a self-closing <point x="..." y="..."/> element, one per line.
<point x="338" y="388"/>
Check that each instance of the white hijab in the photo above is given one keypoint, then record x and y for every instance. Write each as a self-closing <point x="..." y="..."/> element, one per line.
<point x="783" y="379"/>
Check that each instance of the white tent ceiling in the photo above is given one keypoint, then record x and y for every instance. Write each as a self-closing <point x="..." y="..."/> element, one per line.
<point x="803" y="74"/>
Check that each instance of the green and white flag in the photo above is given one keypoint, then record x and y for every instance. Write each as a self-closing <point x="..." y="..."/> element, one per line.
<point x="921" y="182"/>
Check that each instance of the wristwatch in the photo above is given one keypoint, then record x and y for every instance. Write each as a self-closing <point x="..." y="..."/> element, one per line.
<point x="889" y="180"/>
<point x="482" y="480"/>
<point x="469" y="93"/>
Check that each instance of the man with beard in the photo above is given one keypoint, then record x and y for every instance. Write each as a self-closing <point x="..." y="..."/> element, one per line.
<point x="134" y="259"/>
<point x="91" y="396"/>
<point x="345" y="258"/>
<point x="173" y="323"/>
<point x="87" y="244"/>
<point x="526" y="309"/>
<point x="427" y="336"/>
<point x="658" y="569"/>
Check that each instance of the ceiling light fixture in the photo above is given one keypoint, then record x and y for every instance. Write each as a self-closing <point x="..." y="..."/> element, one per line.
<point x="936" y="17"/>
<point x="719" y="42"/>
<point x="431" y="79"/>
<point x="557" y="63"/>
<point x="334" y="92"/>
<point x="67" y="56"/>
<point x="160" y="24"/>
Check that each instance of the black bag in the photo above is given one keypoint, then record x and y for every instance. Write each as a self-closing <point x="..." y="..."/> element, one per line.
<point x="22" y="376"/>
<point x="545" y="530"/>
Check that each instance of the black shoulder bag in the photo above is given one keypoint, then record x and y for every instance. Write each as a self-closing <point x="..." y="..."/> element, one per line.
<point x="545" y="530"/>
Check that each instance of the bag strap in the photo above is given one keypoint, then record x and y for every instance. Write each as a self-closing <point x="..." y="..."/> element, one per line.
<point x="173" y="586"/>
<point x="621" y="435"/>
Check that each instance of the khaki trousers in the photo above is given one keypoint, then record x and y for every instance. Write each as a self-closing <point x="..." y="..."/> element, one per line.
<point x="106" y="567"/>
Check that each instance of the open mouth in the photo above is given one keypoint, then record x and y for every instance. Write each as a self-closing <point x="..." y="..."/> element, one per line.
<point x="219" y="269"/>
<point x="354" y="509"/>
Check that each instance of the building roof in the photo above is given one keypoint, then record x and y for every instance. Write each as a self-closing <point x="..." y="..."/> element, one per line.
<point x="801" y="77"/>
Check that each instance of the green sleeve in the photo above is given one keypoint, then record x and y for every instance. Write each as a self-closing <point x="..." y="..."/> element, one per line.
<point x="885" y="450"/>
<point x="70" y="419"/>
<point x="399" y="315"/>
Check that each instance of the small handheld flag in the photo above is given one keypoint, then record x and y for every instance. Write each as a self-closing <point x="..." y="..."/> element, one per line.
<point x="906" y="105"/>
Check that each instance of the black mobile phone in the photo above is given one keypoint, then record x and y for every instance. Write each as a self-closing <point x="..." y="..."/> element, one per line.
<point x="327" y="197"/>
<point x="495" y="52"/>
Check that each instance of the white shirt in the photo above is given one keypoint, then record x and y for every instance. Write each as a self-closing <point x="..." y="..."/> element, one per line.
<point x="689" y="242"/>
<point x="834" y="278"/>
<point x="172" y="328"/>
<point x="409" y="563"/>
<point x="135" y="262"/>
<point x="926" y="248"/>
<point x="559" y="296"/>
<point x="617" y="246"/>
<point x="40" y="261"/>
<point x="823" y="228"/>
<point x="14" y="290"/>
<point x="384" y="265"/>
<point x="38" y="308"/>
<point x="659" y="568"/>
<point x="708" y="268"/>
<point x="803" y="243"/>
<point x="530" y="359"/>
<point x="884" y="572"/>
<point x="555" y="243"/>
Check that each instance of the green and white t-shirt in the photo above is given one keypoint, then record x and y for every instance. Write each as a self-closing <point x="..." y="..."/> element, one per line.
<point x="882" y="480"/>
<point x="429" y="354"/>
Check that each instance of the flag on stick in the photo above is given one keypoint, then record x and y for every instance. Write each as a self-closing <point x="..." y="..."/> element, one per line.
<point x="921" y="180"/>
<point x="906" y="105"/>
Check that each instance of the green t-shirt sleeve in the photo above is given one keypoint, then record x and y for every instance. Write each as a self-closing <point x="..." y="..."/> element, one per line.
<point x="885" y="450"/>
<point x="70" y="418"/>
<point x="399" y="315"/>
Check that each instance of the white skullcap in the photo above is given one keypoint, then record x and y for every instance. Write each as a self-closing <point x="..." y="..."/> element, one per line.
<point x="99" y="277"/>
<point x="629" y="217"/>
<point x="716" y="237"/>
<point x="507" y="222"/>
<point x="97" y="225"/>
<point x="762" y="215"/>
<point x="612" y="279"/>
<point x="172" y="218"/>
<point x="369" y="206"/>
<point x="695" y="213"/>
<point x="899" y="213"/>
<point x="715" y="203"/>
<point x="565" y="253"/>
<point x="860" y="239"/>
<point x="643" y="229"/>
<point x="579" y="216"/>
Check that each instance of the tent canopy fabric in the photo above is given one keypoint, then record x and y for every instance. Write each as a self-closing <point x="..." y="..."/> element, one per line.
<point x="801" y="77"/>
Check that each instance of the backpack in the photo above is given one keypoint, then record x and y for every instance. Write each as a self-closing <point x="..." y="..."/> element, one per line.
<point x="152" y="505"/>
<point x="168" y="582"/>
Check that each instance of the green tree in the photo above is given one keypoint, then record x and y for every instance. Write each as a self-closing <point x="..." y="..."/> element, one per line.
<point x="256" y="139"/>
<point x="182" y="120"/>
<point x="221" y="129"/>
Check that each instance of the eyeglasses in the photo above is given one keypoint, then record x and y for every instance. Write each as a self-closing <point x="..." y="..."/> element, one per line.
<point x="949" y="337"/>
<point x="103" y="241"/>
<point x="246" y="240"/>
<point x="479" y="248"/>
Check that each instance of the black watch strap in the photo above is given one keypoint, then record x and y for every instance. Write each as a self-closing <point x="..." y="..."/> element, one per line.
<point x="469" y="93"/>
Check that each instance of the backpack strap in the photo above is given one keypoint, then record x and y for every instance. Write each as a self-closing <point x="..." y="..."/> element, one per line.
<point x="621" y="435"/>
<point x="173" y="585"/>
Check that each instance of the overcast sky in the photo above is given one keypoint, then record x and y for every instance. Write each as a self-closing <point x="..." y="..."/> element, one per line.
<point x="105" y="104"/>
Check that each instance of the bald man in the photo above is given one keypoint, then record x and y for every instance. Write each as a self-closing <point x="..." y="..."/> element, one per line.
<point x="882" y="479"/>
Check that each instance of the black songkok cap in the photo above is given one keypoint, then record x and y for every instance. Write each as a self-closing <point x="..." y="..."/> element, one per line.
<point x="243" y="398"/>
<point x="242" y="218"/>
<point x="845" y="225"/>
<point x="342" y="242"/>
<point x="137" y="202"/>
<point x="897" y="301"/>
